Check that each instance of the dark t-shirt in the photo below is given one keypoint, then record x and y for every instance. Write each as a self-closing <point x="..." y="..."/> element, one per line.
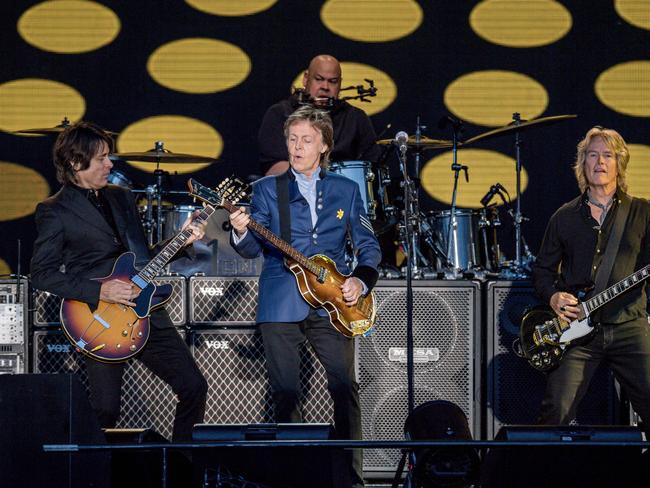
<point x="354" y="136"/>
<point x="574" y="243"/>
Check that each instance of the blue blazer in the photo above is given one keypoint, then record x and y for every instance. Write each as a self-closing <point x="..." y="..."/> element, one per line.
<point x="340" y="211"/>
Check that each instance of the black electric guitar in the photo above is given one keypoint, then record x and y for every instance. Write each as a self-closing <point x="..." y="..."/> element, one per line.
<point x="318" y="279"/>
<point x="544" y="336"/>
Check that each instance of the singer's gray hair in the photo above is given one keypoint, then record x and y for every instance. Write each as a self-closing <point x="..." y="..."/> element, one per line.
<point x="319" y="120"/>
<point x="616" y="143"/>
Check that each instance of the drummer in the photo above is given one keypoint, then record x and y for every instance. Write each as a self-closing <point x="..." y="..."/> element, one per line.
<point x="354" y="135"/>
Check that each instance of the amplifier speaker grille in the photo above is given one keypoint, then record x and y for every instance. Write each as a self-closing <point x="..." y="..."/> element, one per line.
<point x="47" y="305"/>
<point x="226" y="301"/>
<point x="147" y="401"/>
<point x="232" y="361"/>
<point x="514" y="388"/>
<point x="445" y="318"/>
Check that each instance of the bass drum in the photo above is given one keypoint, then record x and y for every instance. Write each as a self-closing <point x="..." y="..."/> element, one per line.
<point x="464" y="249"/>
<point x="361" y="173"/>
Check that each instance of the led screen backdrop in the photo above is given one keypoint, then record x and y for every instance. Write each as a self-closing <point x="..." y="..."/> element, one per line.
<point x="199" y="74"/>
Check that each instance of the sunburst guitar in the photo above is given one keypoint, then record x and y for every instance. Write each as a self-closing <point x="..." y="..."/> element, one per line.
<point x="319" y="281"/>
<point x="114" y="332"/>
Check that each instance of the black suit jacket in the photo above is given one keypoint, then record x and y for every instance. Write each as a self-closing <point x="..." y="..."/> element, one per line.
<point x="75" y="243"/>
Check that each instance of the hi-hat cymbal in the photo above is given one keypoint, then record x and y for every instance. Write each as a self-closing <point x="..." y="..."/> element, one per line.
<point x="424" y="143"/>
<point x="512" y="127"/>
<point x="57" y="129"/>
<point x="162" y="156"/>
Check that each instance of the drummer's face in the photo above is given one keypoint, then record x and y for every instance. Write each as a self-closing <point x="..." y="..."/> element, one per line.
<point x="95" y="176"/>
<point x="305" y="145"/>
<point x="323" y="80"/>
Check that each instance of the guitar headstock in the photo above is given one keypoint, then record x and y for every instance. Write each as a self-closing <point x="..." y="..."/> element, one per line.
<point x="229" y="191"/>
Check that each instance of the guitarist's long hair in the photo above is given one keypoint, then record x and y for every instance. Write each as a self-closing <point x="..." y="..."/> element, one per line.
<point x="616" y="143"/>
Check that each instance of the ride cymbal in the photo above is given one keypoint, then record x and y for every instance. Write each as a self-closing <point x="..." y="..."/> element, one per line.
<point x="512" y="127"/>
<point x="44" y="131"/>
<point x="424" y="143"/>
<point x="162" y="156"/>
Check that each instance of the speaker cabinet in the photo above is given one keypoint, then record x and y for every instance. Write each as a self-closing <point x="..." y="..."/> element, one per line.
<point x="232" y="361"/>
<point x="13" y="326"/>
<point x="446" y="325"/>
<point x="47" y="305"/>
<point x="223" y="301"/>
<point x="514" y="388"/>
<point x="147" y="401"/>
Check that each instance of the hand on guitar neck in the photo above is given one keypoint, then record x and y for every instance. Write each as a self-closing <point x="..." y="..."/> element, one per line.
<point x="118" y="291"/>
<point x="239" y="221"/>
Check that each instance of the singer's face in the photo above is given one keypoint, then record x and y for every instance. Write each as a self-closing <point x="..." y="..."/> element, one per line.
<point x="323" y="80"/>
<point x="306" y="146"/>
<point x="95" y="176"/>
<point x="600" y="164"/>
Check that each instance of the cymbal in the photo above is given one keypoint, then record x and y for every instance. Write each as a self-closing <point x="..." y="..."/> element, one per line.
<point x="512" y="127"/>
<point x="424" y="143"/>
<point x="57" y="129"/>
<point x="162" y="156"/>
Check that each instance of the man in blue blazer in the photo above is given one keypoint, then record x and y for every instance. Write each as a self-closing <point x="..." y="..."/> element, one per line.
<point x="324" y="208"/>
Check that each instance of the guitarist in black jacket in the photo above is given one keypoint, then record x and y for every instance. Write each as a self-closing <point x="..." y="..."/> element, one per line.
<point x="82" y="229"/>
<point x="573" y="248"/>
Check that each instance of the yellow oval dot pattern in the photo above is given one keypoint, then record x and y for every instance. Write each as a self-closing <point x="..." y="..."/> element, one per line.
<point x="21" y="188"/>
<point x="635" y="12"/>
<point x="36" y="103"/>
<point x="625" y="88"/>
<point x="491" y="97"/>
<point x="69" y="26"/>
<point x="199" y="65"/>
<point x="382" y="21"/>
<point x="5" y="269"/>
<point x="485" y="169"/>
<point x="518" y="24"/>
<point x="179" y="134"/>
<point x="638" y="170"/>
<point x="353" y="74"/>
<point x="229" y="8"/>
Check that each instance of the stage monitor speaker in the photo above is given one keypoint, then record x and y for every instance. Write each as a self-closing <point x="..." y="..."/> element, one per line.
<point x="514" y="388"/>
<point x="571" y="466"/>
<point x="223" y="301"/>
<point x="46" y="409"/>
<point x="233" y="363"/>
<point x="147" y="401"/>
<point x="47" y="305"/>
<point x="316" y="467"/>
<point x="446" y="336"/>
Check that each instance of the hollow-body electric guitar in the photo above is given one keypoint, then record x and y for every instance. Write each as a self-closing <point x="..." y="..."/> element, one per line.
<point x="545" y="337"/>
<point x="319" y="281"/>
<point x="114" y="332"/>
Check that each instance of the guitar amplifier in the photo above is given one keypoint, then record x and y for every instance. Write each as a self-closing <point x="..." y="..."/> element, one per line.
<point x="13" y="325"/>
<point x="147" y="401"/>
<point x="47" y="305"/>
<point x="223" y="300"/>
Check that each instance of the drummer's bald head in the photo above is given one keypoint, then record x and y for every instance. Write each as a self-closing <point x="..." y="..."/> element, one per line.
<point x="322" y="79"/>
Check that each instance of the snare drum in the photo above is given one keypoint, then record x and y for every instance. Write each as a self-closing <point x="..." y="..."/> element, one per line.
<point x="464" y="251"/>
<point x="361" y="173"/>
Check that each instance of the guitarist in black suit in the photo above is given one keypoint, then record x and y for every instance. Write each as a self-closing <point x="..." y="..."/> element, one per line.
<point x="82" y="229"/>
<point x="574" y="247"/>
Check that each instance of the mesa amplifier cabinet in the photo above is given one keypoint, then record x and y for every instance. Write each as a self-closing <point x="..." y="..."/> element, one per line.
<point x="233" y="363"/>
<point x="514" y="388"/>
<point x="223" y="301"/>
<point x="13" y="325"/>
<point x="446" y="336"/>
<point x="47" y="305"/>
<point x="147" y="401"/>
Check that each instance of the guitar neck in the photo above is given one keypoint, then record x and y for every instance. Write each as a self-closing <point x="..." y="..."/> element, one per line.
<point x="156" y="265"/>
<point x="619" y="288"/>
<point x="281" y="244"/>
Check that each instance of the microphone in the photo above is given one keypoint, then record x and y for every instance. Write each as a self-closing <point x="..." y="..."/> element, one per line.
<point x="401" y="138"/>
<point x="446" y="120"/>
<point x="494" y="189"/>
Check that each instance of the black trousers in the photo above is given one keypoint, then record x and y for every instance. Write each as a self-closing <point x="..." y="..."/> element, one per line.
<point x="169" y="358"/>
<point x="282" y="343"/>
<point x="626" y="350"/>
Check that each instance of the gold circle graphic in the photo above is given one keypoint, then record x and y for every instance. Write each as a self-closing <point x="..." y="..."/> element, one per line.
<point x="179" y="134"/>
<point x="635" y="12"/>
<point x="199" y="65"/>
<point x="638" y="171"/>
<point x="69" y="26"/>
<point x="21" y="188"/>
<point x="491" y="97"/>
<point x="625" y="88"/>
<point x="228" y="8"/>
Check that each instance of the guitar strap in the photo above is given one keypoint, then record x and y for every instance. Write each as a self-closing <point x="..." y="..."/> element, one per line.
<point x="282" y="188"/>
<point x="605" y="269"/>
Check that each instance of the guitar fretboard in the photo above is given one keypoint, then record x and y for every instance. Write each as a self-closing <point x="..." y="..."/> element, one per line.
<point x="615" y="290"/>
<point x="156" y="265"/>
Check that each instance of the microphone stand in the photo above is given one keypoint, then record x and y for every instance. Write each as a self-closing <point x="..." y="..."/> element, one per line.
<point x="452" y="232"/>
